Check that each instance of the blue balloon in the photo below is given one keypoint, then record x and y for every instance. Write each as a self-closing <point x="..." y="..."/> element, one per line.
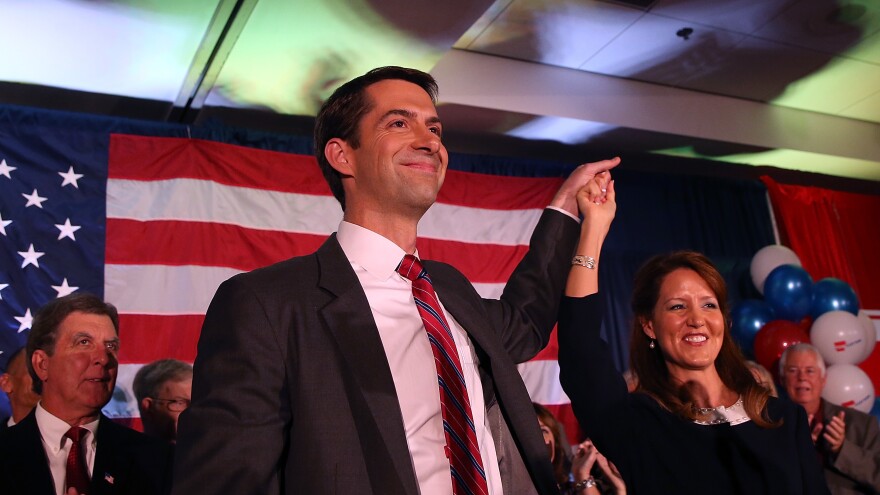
<point x="746" y="318"/>
<point x="875" y="411"/>
<point x="788" y="290"/>
<point x="833" y="294"/>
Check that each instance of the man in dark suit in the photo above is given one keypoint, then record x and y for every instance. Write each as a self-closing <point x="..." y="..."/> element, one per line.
<point x="847" y="440"/>
<point x="315" y="375"/>
<point x="66" y="446"/>
<point x="17" y="384"/>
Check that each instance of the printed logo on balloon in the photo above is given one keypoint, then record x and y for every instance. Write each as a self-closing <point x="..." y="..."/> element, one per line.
<point x="795" y="309"/>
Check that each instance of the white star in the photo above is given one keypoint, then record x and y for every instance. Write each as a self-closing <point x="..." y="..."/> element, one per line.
<point x="3" y="224"/>
<point x="70" y="177"/>
<point x="67" y="230"/>
<point x="64" y="289"/>
<point x="30" y="257"/>
<point x="24" y="322"/>
<point x="5" y="169"/>
<point x="2" y="286"/>
<point x="34" y="199"/>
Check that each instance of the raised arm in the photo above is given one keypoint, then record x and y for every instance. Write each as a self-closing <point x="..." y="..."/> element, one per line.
<point x="596" y="201"/>
<point x="587" y="372"/>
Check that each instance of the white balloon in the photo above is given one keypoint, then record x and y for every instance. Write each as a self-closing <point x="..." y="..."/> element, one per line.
<point x="766" y="259"/>
<point x="840" y="337"/>
<point x="870" y="333"/>
<point x="848" y="386"/>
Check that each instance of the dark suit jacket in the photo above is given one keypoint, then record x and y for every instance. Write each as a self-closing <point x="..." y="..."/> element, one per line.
<point x="292" y="392"/>
<point x="126" y="462"/>
<point x="856" y="468"/>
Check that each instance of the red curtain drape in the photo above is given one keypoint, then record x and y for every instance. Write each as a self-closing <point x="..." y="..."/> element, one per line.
<point x="835" y="234"/>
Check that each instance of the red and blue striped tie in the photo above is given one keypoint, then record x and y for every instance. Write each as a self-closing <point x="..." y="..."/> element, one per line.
<point x="468" y="476"/>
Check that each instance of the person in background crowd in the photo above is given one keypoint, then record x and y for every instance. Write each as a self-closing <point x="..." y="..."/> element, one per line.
<point x="698" y="422"/>
<point x="163" y="389"/>
<point x="762" y="376"/>
<point x="65" y="446"/>
<point x="321" y="374"/>
<point x="17" y="384"/>
<point x="847" y="440"/>
<point x="593" y="474"/>
<point x="577" y="477"/>
<point x="557" y="445"/>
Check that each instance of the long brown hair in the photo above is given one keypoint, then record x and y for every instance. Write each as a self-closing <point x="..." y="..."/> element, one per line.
<point x="650" y="365"/>
<point x="561" y="462"/>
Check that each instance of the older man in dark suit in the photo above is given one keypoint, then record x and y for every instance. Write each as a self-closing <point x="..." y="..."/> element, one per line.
<point x="66" y="446"/>
<point x="847" y="440"/>
<point x="358" y="369"/>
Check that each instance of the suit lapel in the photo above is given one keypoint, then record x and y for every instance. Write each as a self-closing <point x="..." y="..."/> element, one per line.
<point x="370" y="385"/>
<point x="108" y="471"/>
<point x="30" y="458"/>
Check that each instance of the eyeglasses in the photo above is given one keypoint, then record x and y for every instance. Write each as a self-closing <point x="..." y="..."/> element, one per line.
<point x="175" y="405"/>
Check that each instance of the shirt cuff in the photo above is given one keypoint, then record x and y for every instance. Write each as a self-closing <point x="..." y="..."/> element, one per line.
<point x="565" y="212"/>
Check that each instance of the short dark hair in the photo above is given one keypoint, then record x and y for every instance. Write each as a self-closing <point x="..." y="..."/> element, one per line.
<point x="151" y="376"/>
<point x="341" y="114"/>
<point x="18" y="352"/>
<point x="44" y="327"/>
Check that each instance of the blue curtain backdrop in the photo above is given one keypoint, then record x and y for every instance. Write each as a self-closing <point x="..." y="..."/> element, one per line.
<point x="727" y="219"/>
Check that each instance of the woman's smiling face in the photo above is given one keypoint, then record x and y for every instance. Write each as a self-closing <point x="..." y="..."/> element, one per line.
<point x="687" y="322"/>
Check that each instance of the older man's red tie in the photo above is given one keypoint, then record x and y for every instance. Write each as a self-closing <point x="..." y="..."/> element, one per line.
<point x="77" y="473"/>
<point x="468" y="476"/>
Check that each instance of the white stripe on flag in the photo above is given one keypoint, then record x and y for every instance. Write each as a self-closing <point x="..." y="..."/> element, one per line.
<point x="206" y="201"/>
<point x="542" y="381"/>
<point x="163" y="289"/>
<point x="465" y="224"/>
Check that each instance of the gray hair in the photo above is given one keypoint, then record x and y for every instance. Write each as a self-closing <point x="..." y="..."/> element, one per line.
<point x="152" y="376"/>
<point x="800" y="347"/>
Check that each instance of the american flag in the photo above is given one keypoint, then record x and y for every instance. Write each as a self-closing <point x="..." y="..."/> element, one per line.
<point x="173" y="217"/>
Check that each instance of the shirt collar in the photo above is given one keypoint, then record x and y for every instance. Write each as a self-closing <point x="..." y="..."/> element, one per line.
<point x="369" y="250"/>
<point x="53" y="428"/>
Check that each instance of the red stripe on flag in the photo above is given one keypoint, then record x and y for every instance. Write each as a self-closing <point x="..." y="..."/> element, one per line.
<point x="171" y="242"/>
<point x="146" y="338"/>
<point x="480" y="263"/>
<point x="551" y="352"/>
<point x="133" y="423"/>
<point x="565" y="415"/>
<point x="152" y="158"/>
<point x="494" y="192"/>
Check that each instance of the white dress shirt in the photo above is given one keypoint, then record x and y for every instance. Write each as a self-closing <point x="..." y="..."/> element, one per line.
<point x="57" y="446"/>
<point x="374" y="259"/>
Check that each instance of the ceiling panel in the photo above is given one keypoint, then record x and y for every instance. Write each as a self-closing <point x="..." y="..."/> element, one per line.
<point x="742" y="16"/>
<point x="131" y="48"/>
<point x="292" y="55"/>
<point x="650" y="50"/>
<point x="181" y="60"/>
<point x="829" y="26"/>
<point x="563" y="32"/>
<point x="759" y="70"/>
<point x="867" y="51"/>
<point x="866" y="109"/>
<point x="840" y="85"/>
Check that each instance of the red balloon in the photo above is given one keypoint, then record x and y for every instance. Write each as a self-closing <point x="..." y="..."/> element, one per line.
<point x="772" y="339"/>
